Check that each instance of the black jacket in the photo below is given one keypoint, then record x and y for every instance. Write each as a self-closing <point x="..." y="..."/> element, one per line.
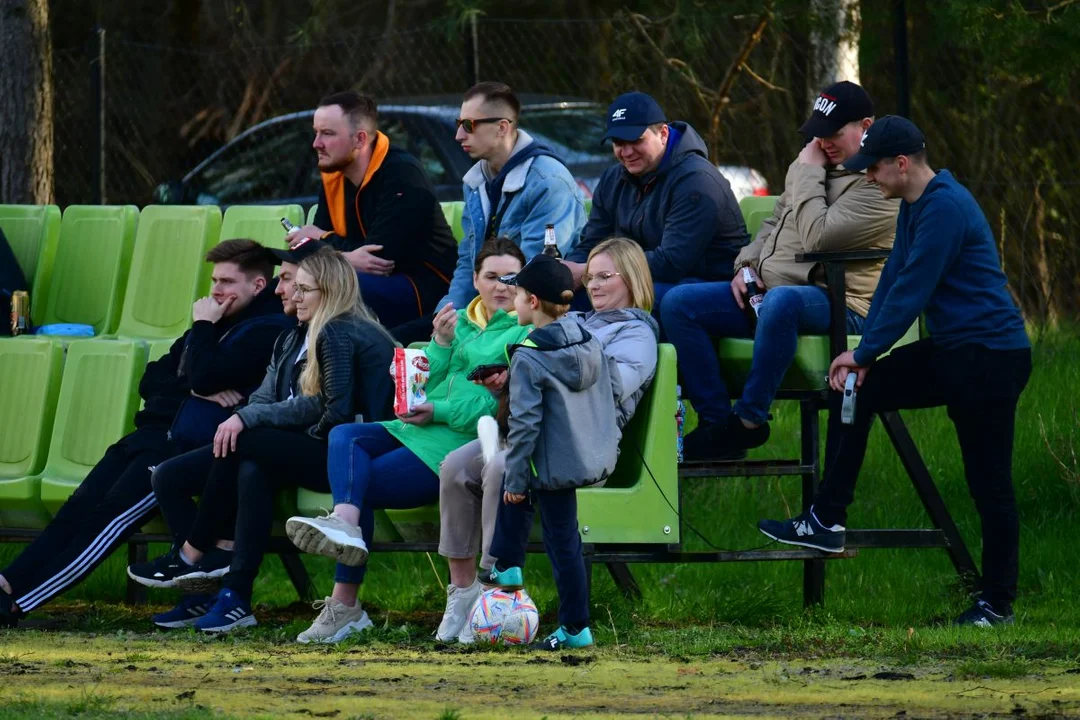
<point x="198" y="362"/>
<point x="398" y="210"/>
<point x="683" y="214"/>
<point x="354" y="357"/>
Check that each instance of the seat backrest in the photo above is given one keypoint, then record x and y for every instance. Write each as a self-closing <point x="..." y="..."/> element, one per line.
<point x="311" y="215"/>
<point x="261" y="223"/>
<point x="650" y="438"/>
<point x="31" y="230"/>
<point x="588" y="207"/>
<point x="453" y="211"/>
<point x="98" y="398"/>
<point x="30" y="372"/>
<point x="90" y="267"/>
<point x="168" y="270"/>
<point x="755" y="208"/>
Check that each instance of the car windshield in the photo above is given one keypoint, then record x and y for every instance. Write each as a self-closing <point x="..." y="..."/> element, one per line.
<point x="577" y="130"/>
<point x="262" y="164"/>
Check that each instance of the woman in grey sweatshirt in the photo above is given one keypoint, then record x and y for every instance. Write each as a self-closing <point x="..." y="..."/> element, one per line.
<point x="621" y="290"/>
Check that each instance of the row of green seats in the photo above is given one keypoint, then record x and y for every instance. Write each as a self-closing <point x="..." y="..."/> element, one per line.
<point x="124" y="272"/>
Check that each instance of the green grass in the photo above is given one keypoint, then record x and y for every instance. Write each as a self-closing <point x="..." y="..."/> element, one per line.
<point x="871" y="600"/>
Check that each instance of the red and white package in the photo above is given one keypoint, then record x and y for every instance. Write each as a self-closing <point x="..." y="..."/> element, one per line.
<point x="411" y="372"/>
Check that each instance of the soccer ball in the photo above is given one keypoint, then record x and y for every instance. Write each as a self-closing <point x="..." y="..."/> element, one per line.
<point x="505" y="617"/>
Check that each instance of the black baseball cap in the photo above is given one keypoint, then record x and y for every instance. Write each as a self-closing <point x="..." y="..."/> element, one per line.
<point x="835" y="107"/>
<point x="888" y="137"/>
<point x="630" y="114"/>
<point x="306" y="247"/>
<point x="545" y="277"/>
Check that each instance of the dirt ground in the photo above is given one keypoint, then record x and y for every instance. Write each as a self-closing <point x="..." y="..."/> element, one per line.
<point x="167" y="673"/>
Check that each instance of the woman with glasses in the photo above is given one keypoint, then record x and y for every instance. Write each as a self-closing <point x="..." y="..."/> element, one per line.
<point x="620" y="288"/>
<point x="396" y="464"/>
<point x="327" y="371"/>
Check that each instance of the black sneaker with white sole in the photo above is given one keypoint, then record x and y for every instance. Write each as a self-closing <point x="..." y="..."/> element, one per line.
<point x="805" y="530"/>
<point x="205" y="575"/>
<point x="983" y="614"/>
<point x="161" y="572"/>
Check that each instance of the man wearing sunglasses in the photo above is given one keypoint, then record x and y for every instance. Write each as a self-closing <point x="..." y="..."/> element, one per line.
<point x="378" y="207"/>
<point x="666" y="195"/>
<point x="517" y="187"/>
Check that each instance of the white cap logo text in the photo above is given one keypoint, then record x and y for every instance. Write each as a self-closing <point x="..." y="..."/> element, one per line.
<point x="864" y="136"/>
<point x="619" y="114"/>
<point x="824" y="105"/>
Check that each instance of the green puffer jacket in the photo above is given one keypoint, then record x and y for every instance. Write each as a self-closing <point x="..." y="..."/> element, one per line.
<point x="457" y="402"/>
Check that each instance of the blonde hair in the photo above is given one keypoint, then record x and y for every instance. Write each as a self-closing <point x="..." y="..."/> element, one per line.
<point x="633" y="268"/>
<point x="337" y="281"/>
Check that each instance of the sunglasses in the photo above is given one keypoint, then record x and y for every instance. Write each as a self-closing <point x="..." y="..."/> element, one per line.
<point x="470" y="124"/>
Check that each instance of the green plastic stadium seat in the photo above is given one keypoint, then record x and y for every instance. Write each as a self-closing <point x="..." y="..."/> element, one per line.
<point x="755" y="209"/>
<point x="98" y="397"/>
<point x="168" y="271"/>
<point x="261" y="223"/>
<point x="32" y="230"/>
<point x="311" y="214"/>
<point x="90" y="267"/>
<point x="631" y="506"/>
<point x="807" y="372"/>
<point x="588" y="207"/>
<point x="453" y="212"/>
<point x="30" y="372"/>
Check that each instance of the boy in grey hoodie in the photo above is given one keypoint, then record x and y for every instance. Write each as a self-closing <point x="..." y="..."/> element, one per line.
<point x="562" y="435"/>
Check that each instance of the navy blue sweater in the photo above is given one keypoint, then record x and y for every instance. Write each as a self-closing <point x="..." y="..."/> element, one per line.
<point x="944" y="263"/>
<point x="683" y="214"/>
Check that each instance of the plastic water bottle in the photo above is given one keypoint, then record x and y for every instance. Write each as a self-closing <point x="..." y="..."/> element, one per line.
<point x="680" y="419"/>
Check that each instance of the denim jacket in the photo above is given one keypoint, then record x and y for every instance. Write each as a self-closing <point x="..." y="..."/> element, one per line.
<point x="542" y="191"/>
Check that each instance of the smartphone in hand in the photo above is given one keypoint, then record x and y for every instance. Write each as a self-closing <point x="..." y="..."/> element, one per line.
<point x="480" y="372"/>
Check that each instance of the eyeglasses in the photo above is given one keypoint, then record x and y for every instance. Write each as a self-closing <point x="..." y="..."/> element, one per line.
<point x="303" y="291"/>
<point x="601" y="278"/>
<point x="469" y="124"/>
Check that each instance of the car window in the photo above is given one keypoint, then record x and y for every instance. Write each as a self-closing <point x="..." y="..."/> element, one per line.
<point x="403" y="133"/>
<point x="259" y="166"/>
<point x="576" y="132"/>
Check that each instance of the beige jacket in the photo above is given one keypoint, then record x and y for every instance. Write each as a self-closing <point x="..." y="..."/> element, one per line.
<point x="823" y="210"/>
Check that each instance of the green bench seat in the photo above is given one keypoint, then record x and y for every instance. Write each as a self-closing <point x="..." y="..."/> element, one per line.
<point x="32" y="232"/>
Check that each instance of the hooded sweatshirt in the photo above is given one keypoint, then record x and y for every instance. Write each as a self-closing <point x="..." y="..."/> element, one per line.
<point x="683" y="214"/>
<point x="563" y="423"/>
<point x="199" y="361"/>
<point x="457" y="402"/>
<point x="628" y="337"/>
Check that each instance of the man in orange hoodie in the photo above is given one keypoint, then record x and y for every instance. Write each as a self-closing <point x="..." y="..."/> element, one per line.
<point x="378" y="207"/>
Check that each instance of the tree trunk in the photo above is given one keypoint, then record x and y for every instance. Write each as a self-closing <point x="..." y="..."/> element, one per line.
<point x="834" y="40"/>
<point x="26" y="103"/>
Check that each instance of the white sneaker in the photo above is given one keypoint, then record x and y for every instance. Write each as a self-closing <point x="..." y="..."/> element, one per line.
<point x="336" y="622"/>
<point x="330" y="536"/>
<point x="467" y="636"/>
<point x="459" y="604"/>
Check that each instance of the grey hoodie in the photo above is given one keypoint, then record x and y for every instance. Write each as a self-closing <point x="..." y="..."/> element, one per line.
<point x="563" y="423"/>
<point x="629" y="337"/>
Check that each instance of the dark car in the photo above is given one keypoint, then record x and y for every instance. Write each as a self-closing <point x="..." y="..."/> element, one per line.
<point x="273" y="162"/>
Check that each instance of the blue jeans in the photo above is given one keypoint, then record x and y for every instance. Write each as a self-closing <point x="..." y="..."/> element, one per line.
<point x="561" y="542"/>
<point x="371" y="470"/>
<point x="694" y="314"/>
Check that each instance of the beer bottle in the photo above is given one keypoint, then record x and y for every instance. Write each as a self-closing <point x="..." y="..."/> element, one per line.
<point x="290" y="229"/>
<point x="753" y="290"/>
<point x="551" y="247"/>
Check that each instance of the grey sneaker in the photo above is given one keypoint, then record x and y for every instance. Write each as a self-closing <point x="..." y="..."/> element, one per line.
<point x="467" y="636"/>
<point x="335" y="622"/>
<point x="459" y="605"/>
<point x="330" y="536"/>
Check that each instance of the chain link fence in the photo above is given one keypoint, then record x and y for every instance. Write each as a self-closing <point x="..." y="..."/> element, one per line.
<point x="740" y="80"/>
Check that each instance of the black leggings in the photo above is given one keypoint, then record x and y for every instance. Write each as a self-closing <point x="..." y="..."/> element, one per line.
<point x="266" y="460"/>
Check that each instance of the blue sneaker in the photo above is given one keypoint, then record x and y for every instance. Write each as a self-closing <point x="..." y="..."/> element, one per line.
<point x="228" y="613"/>
<point x="509" y="579"/>
<point x="806" y="531"/>
<point x="562" y="640"/>
<point x="190" y="609"/>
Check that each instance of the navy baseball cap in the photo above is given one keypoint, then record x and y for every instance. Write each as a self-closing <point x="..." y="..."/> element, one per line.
<point x="835" y="107"/>
<point x="545" y="277"/>
<point x="630" y="114"/>
<point x="888" y="137"/>
<point x="307" y="246"/>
